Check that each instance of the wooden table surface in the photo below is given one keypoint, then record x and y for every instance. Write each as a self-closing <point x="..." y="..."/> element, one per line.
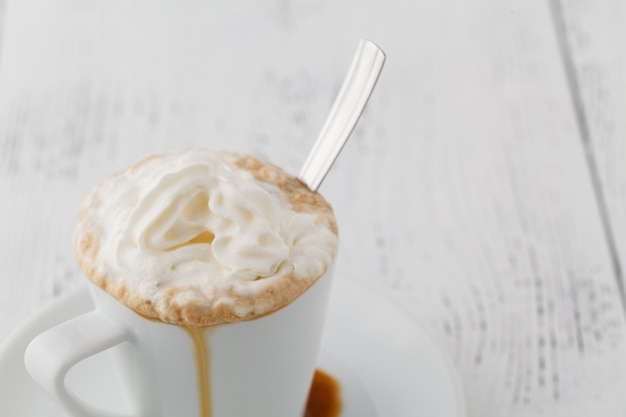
<point x="484" y="189"/>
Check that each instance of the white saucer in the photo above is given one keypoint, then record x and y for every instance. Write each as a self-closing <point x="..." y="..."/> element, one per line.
<point x="386" y="365"/>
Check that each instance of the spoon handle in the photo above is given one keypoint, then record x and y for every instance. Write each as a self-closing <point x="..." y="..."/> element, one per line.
<point x="344" y="114"/>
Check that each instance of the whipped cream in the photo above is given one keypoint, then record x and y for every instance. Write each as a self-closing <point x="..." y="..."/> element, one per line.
<point x="202" y="237"/>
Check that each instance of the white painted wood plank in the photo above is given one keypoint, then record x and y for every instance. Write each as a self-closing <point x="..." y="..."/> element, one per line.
<point x="464" y="193"/>
<point x="595" y="38"/>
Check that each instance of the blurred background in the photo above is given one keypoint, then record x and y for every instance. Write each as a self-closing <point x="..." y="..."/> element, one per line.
<point x="482" y="191"/>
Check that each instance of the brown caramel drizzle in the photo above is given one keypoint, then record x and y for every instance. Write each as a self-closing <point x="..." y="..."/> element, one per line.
<point x="203" y="368"/>
<point x="324" y="396"/>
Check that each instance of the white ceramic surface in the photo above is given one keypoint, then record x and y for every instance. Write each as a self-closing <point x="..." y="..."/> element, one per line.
<point x="274" y="356"/>
<point x="386" y="366"/>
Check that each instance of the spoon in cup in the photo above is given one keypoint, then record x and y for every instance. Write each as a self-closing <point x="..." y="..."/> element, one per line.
<point x="344" y="114"/>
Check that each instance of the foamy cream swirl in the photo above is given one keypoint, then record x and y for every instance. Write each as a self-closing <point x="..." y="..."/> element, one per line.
<point x="190" y="233"/>
<point x="204" y="211"/>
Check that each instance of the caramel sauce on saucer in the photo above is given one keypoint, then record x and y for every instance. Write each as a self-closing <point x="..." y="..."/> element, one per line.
<point x="324" y="398"/>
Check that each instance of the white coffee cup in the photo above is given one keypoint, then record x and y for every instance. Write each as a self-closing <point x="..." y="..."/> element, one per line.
<point x="263" y="367"/>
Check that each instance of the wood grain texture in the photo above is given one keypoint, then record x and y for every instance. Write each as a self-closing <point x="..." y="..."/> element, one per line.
<point x="595" y="38"/>
<point x="464" y="195"/>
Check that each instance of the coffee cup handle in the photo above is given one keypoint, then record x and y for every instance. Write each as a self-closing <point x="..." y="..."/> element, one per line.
<point x="53" y="353"/>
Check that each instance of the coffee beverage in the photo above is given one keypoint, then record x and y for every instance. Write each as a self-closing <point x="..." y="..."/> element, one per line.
<point x="210" y="273"/>
<point x="200" y="238"/>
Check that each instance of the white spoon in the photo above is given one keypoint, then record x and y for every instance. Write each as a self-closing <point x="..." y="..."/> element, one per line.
<point x="344" y="114"/>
